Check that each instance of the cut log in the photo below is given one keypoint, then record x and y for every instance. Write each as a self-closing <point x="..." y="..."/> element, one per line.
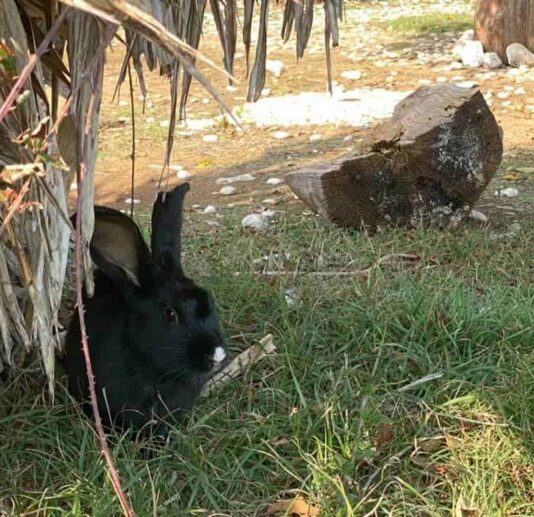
<point x="499" y="23"/>
<point x="425" y="167"/>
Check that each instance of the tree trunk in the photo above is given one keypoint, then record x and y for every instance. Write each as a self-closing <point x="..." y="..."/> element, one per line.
<point x="426" y="166"/>
<point x="499" y="23"/>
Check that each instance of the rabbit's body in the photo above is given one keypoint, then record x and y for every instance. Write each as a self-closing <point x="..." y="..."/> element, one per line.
<point x="153" y="345"/>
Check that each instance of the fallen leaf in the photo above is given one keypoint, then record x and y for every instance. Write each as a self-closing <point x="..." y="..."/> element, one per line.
<point x="431" y="444"/>
<point x="204" y="164"/>
<point x="512" y="176"/>
<point x="384" y="435"/>
<point x="294" y="507"/>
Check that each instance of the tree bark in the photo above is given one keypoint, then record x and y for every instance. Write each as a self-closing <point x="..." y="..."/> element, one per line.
<point x="499" y="23"/>
<point x="425" y="167"/>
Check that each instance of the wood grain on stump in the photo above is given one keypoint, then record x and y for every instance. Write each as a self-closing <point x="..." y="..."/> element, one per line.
<point x="425" y="167"/>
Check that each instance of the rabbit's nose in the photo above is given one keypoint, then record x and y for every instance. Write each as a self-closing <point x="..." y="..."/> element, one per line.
<point x="219" y="355"/>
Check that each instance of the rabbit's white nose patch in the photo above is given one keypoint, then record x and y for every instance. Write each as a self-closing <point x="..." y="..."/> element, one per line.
<point x="219" y="354"/>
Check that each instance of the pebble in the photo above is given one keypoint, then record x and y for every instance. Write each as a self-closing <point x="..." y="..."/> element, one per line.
<point x="275" y="67"/>
<point x="352" y="75"/>
<point x="315" y="138"/>
<point x="281" y="135"/>
<point x="275" y="181"/>
<point x="228" y="191"/>
<point x="472" y="54"/>
<point x="507" y="192"/>
<point x="210" y="139"/>
<point x="518" y="55"/>
<point x="234" y="179"/>
<point x="269" y="201"/>
<point x="210" y="209"/>
<point x="257" y="222"/>
<point x="131" y="201"/>
<point x="348" y="139"/>
<point x="183" y="174"/>
<point x="492" y="60"/>
<point x="268" y="213"/>
<point x="478" y="216"/>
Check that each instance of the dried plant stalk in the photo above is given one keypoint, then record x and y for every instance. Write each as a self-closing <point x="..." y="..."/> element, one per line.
<point x="239" y="364"/>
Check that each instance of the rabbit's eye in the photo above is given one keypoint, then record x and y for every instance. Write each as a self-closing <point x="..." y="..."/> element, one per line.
<point x="170" y="315"/>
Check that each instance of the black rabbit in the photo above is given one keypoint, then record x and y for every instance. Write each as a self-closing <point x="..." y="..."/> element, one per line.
<point x="154" y="335"/>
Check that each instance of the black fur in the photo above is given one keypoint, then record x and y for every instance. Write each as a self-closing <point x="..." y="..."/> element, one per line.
<point x="152" y="332"/>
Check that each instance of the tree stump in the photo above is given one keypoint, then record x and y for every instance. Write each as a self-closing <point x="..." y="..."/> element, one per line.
<point x="425" y="167"/>
<point x="499" y="23"/>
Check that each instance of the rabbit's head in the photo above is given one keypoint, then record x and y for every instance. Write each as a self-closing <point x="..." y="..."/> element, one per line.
<point x="172" y="325"/>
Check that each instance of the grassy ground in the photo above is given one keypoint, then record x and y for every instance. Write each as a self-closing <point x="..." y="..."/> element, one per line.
<point x="430" y="23"/>
<point x="333" y="416"/>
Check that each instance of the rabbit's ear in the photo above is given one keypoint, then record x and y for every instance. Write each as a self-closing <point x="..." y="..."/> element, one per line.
<point x="118" y="248"/>
<point x="167" y="220"/>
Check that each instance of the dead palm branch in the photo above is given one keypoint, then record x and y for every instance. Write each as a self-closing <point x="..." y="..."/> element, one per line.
<point x="48" y="47"/>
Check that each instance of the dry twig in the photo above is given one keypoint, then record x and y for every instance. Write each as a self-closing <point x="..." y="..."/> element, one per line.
<point x="245" y="359"/>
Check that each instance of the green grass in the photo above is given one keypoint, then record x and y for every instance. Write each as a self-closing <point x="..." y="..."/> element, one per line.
<point x="430" y="24"/>
<point x="327" y="416"/>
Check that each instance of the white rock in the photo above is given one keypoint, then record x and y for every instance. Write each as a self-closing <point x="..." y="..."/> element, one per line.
<point x="257" y="222"/>
<point x="467" y="84"/>
<point x="281" y="135"/>
<point x="315" y="138"/>
<point x="518" y="55"/>
<point x="268" y="213"/>
<point x="352" y="75"/>
<point x="520" y="91"/>
<point x="275" y="67"/>
<point x="441" y="79"/>
<point x="492" y="60"/>
<point x="269" y="201"/>
<point x="228" y="191"/>
<point x="183" y="174"/>
<point x="210" y="139"/>
<point x="472" y="54"/>
<point x="348" y="139"/>
<point x="275" y="181"/>
<point x="503" y="95"/>
<point x="231" y="88"/>
<point x="234" y="179"/>
<point x="131" y="201"/>
<point x="478" y="216"/>
<point x="468" y="35"/>
<point x="210" y="209"/>
<point x="507" y="192"/>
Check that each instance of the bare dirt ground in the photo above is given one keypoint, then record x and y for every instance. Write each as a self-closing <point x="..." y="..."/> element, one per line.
<point x="387" y="59"/>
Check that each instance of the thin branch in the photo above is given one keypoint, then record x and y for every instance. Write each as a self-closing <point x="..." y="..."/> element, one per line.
<point x="385" y="260"/>
<point x="246" y="358"/>
<point x="115" y="478"/>
<point x="31" y="64"/>
<point x="132" y="109"/>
